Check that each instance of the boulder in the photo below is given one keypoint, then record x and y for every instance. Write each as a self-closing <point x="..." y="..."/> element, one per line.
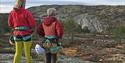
<point x="89" y="21"/>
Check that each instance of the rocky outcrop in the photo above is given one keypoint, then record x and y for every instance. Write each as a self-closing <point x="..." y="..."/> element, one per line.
<point x="108" y="16"/>
<point x="96" y="18"/>
<point x="89" y="21"/>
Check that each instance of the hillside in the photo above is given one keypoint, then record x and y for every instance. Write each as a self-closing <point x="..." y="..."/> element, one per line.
<point x="3" y="23"/>
<point x="108" y="16"/>
<point x="103" y="47"/>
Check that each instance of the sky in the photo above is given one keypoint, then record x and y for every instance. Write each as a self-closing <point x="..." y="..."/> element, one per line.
<point x="7" y="5"/>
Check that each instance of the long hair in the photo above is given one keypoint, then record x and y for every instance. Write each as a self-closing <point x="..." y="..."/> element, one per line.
<point x="20" y="3"/>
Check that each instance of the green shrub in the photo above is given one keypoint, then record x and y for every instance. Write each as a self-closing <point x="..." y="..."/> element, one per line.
<point x="85" y="30"/>
<point x="119" y="32"/>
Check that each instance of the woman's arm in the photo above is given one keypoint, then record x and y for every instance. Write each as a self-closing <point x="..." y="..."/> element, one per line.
<point x="10" y="21"/>
<point x="59" y="29"/>
<point x="30" y="20"/>
<point x="40" y="30"/>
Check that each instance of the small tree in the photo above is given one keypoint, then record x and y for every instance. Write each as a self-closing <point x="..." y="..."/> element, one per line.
<point x="69" y="26"/>
<point x="119" y="33"/>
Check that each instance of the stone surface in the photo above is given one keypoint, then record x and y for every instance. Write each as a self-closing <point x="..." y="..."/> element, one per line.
<point x="89" y="21"/>
<point x="7" y="58"/>
<point x="64" y="59"/>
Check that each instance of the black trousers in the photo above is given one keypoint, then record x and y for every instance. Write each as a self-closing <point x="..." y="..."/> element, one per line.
<point x="51" y="58"/>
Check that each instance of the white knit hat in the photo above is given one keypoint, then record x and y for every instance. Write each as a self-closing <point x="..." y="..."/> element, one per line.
<point x="51" y="11"/>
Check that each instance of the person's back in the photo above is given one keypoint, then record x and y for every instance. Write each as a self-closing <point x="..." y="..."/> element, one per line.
<point x="21" y="22"/>
<point x="52" y="30"/>
<point x="21" y="17"/>
<point x="52" y="27"/>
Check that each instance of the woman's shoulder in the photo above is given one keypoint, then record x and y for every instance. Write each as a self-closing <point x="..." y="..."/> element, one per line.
<point x="25" y="10"/>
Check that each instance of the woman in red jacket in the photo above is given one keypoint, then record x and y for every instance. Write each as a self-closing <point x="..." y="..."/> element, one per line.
<point x="51" y="29"/>
<point x="21" y="21"/>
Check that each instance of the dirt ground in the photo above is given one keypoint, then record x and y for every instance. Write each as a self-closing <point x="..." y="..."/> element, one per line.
<point x="99" y="49"/>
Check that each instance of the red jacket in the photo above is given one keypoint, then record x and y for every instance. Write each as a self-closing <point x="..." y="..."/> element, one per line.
<point x="50" y="26"/>
<point x="21" y="17"/>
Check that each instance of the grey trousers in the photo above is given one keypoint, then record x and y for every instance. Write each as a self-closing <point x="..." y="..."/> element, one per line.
<point x="50" y="58"/>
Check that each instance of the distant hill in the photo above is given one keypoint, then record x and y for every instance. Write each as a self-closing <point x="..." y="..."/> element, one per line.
<point x="3" y="23"/>
<point x="108" y="16"/>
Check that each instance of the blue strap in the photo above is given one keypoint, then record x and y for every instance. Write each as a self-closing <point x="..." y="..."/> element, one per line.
<point x="22" y="28"/>
<point x="50" y="37"/>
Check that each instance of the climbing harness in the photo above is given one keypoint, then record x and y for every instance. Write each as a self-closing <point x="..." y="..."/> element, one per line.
<point x="11" y="40"/>
<point x="51" y="45"/>
<point x="22" y="28"/>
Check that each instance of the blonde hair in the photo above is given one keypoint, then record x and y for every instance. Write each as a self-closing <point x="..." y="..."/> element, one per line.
<point x="51" y="11"/>
<point x="18" y="3"/>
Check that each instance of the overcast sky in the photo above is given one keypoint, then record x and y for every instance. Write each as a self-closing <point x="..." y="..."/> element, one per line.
<point x="7" y="5"/>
